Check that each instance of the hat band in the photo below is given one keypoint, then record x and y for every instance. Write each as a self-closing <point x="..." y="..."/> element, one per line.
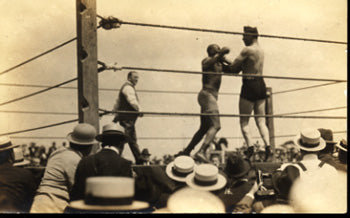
<point x="309" y="145"/>
<point x="205" y="183"/>
<point x="93" y="200"/>
<point x="180" y="174"/>
<point x="6" y="145"/>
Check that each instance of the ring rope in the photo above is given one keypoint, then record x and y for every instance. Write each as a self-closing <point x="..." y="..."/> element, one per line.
<point x="213" y="73"/>
<point x="221" y="115"/>
<point x="41" y="127"/>
<point x="307" y="87"/>
<point x="118" y="23"/>
<point x="72" y="113"/>
<point x="37" y="56"/>
<point x="311" y="111"/>
<point x="164" y="138"/>
<point x="47" y="89"/>
<point x="112" y="89"/>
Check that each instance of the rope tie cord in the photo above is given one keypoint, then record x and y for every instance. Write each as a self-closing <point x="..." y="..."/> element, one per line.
<point x="111" y="21"/>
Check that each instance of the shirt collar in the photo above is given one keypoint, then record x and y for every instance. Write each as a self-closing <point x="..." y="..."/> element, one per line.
<point x="111" y="148"/>
<point x="130" y="83"/>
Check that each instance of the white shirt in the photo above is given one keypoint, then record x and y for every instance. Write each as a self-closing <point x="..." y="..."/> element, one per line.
<point x="311" y="163"/>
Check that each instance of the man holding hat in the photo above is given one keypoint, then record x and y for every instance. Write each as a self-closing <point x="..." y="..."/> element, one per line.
<point x="253" y="92"/>
<point x="327" y="154"/>
<point x="53" y="193"/>
<point x="17" y="185"/>
<point x="107" y="162"/>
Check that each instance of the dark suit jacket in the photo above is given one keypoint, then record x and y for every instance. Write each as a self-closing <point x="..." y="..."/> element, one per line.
<point x="17" y="188"/>
<point x="104" y="163"/>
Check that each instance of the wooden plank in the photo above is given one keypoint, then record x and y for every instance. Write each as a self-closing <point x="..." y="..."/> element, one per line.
<point x="269" y="121"/>
<point x="87" y="63"/>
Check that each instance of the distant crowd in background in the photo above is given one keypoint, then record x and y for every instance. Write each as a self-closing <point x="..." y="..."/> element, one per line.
<point x="216" y="153"/>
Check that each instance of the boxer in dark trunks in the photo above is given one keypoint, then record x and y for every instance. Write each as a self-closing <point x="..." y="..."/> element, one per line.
<point x="253" y="92"/>
<point x="207" y="99"/>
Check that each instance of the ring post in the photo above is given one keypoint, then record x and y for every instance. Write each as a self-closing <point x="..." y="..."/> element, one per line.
<point x="87" y="64"/>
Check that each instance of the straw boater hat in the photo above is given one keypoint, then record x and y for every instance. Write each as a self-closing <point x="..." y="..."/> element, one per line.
<point x="310" y="140"/>
<point x="278" y="208"/>
<point x="111" y="131"/>
<point x="5" y="143"/>
<point x="109" y="193"/>
<point x="19" y="157"/>
<point x="83" y="134"/>
<point x="180" y="168"/>
<point x="188" y="200"/>
<point x="206" y="177"/>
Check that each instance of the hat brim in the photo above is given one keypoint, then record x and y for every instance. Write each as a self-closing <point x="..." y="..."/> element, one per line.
<point x="341" y="147"/>
<point x="221" y="182"/>
<point x="7" y="148"/>
<point x="321" y="146"/>
<point x="70" y="139"/>
<point x="22" y="163"/>
<point x="110" y="134"/>
<point x="171" y="175"/>
<point x="135" y="205"/>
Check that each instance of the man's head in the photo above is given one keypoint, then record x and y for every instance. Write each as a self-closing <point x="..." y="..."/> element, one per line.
<point x="6" y="147"/>
<point x="133" y="77"/>
<point x="250" y="35"/>
<point x="213" y="49"/>
<point x="82" y="138"/>
<point x="113" y="135"/>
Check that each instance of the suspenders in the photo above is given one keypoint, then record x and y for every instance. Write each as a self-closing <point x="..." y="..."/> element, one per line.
<point x="320" y="165"/>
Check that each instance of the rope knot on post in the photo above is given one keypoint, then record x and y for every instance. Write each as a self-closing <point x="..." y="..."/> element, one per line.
<point x="110" y="23"/>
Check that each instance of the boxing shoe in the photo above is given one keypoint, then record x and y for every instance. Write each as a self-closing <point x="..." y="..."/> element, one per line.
<point x="200" y="156"/>
<point x="267" y="152"/>
<point x="250" y="152"/>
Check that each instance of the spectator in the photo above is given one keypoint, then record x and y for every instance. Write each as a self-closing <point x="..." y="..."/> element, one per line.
<point x="178" y="169"/>
<point x="282" y="182"/>
<point x="237" y="171"/>
<point x="53" y="193"/>
<point x="215" y="158"/>
<point x="146" y="156"/>
<point x="189" y="200"/>
<point x="206" y="177"/>
<point x="320" y="193"/>
<point x="278" y="208"/>
<point x="107" y="162"/>
<point x="108" y="194"/>
<point x="17" y="185"/>
<point x="32" y="149"/>
<point x="326" y="154"/>
<point x="52" y="149"/>
<point x="343" y="152"/>
<point x="310" y="143"/>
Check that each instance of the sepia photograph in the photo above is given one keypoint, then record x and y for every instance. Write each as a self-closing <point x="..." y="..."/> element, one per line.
<point x="173" y="106"/>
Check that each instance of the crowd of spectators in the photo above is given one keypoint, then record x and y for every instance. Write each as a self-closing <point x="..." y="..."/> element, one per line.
<point x="78" y="181"/>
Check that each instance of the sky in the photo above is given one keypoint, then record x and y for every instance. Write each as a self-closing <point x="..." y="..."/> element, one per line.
<point x="29" y="28"/>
